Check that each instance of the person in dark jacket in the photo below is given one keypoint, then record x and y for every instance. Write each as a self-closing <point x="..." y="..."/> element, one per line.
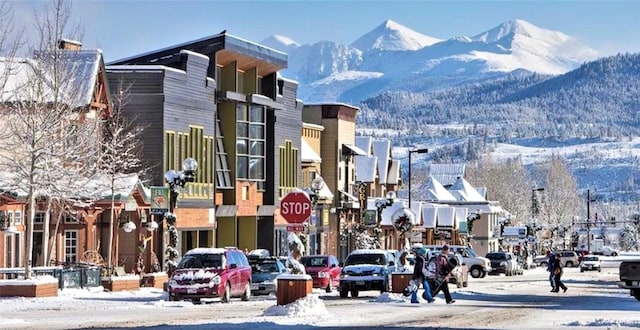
<point x="420" y="277"/>
<point x="550" y="265"/>
<point x="557" y="276"/>
<point x="442" y="260"/>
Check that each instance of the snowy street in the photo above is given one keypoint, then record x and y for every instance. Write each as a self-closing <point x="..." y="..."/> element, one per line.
<point x="592" y="301"/>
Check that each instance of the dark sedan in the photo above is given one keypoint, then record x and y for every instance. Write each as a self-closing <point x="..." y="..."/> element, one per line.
<point x="264" y="272"/>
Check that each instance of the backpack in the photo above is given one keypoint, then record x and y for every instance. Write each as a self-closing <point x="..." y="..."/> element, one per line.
<point x="429" y="268"/>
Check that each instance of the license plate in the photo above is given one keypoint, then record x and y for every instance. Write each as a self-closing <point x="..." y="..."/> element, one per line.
<point x="192" y="291"/>
<point x="359" y="282"/>
<point x="254" y="287"/>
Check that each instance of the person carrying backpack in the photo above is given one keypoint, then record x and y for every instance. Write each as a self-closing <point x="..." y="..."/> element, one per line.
<point x="441" y="264"/>
<point x="419" y="276"/>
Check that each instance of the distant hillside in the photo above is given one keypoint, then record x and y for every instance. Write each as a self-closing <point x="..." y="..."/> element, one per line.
<point x="598" y="99"/>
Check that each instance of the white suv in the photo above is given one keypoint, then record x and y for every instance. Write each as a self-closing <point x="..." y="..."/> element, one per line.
<point x="478" y="266"/>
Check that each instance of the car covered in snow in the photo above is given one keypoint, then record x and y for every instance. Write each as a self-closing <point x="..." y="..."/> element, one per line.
<point x="366" y="270"/>
<point x="211" y="273"/>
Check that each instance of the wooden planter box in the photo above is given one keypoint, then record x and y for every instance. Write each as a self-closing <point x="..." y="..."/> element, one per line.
<point x="29" y="289"/>
<point x="116" y="283"/>
<point x="292" y="288"/>
<point x="399" y="281"/>
<point x="154" y="280"/>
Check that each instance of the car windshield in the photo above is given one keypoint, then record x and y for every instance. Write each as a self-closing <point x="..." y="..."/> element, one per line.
<point x="591" y="258"/>
<point x="496" y="256"/>
<point x="264" y="266"/>
<point x="471" y="253"/>
<point x="314" y="261"/>
<point x="201" y="261"/>
<point x="365" y="259"/>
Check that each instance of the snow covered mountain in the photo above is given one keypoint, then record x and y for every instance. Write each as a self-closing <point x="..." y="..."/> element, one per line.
<point x="392" y="57"/>
<point x="391" y="36"/>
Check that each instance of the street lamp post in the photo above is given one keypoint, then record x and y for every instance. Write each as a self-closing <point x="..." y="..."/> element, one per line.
<point x="316" y="185"/>
<point x="418" y="151"/>
<point x="589" y="200"/>
<point x="382" y="204"/>
<point x="176" y="180"/>
<point x="535" y="210"/>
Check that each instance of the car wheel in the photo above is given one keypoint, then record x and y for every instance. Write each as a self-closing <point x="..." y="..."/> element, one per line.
<point x="247" y="293"/>
<point x="226" y="296"/>
<point x="614" y="254"/>
<point x="582" y="270"/>
<point x="465" y="284"/>
<point x="344" y="293"/>
<point x="483" y="274"/>
<point x="329" y="286"/>
<point x="173" y="298"/>
<point x="476" y="272"/>
<point x="354" y="293"/>
<point x="599" y="270"/>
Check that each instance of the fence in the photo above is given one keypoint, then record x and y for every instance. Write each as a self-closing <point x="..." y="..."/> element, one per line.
<point x="77" y="276"/>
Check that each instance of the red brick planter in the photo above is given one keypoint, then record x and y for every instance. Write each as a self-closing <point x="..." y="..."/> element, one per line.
<point x="121" y="283"/>
<point x="29" y="288"/>
<point x="293" y="287"/>
<point x="154" y="280"/>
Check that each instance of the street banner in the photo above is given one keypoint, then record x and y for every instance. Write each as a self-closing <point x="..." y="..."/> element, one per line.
<point x="159" y="200"/>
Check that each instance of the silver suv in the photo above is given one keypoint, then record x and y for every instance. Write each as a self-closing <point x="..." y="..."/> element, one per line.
<point x="567" y="259"/>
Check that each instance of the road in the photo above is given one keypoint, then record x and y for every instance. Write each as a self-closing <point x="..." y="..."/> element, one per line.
<point x="494" y="302"/>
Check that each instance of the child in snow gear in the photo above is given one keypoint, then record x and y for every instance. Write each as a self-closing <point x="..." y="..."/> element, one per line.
<point x="419" y="276"/>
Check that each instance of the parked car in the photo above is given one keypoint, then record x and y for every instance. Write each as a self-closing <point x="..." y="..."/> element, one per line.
<point x="590" y="262"/>
<point x="502" y="263"/>
<point x="567" y="259"/>
<point x="478" y="266"/>
<point x="211" y="273"/>
<point x="365" y="270"/>
<point x="460" y="274"/>
<point x="324" y="270"/>
<point x="264" y="271"/>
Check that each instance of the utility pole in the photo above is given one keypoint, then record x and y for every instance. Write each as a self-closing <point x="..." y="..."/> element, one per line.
<point x="589" y="219"/>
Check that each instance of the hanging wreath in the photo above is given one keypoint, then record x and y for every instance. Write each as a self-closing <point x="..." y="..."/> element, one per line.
<point x="403" y="221"/>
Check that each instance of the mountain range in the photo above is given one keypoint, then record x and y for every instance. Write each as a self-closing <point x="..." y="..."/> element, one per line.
<point x="392" y="57"/>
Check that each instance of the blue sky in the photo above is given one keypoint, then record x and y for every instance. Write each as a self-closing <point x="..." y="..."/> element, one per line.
<point x="125" y="28"/>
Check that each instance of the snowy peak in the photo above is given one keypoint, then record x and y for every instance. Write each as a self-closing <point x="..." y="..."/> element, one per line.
<point x="391" y="36"/>
<point x="281" y="43"/>
<point x="521" y="28"/>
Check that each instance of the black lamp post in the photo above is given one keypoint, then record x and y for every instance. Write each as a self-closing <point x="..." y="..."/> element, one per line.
<point x="316" y="185"/>
<point x="418" y="151"/>
<point x="535" y="210"/>
<point x="589" y="200"/>
<point x="176" y="180"/>
<point x="381" y="204"/>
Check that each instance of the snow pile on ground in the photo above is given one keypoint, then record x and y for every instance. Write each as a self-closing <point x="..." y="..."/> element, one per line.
<point x="389" y="298"/>
<point x="309" y="305"/>
<point x="606" y="323"/>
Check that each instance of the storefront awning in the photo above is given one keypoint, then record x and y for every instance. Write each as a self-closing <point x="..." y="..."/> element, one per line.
<point x="350" y="149"/>
<point x="266" y="210"/>
<point x="226" y="210"/>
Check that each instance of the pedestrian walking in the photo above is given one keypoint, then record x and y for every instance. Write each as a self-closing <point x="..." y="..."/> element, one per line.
<point x="419" y="276"/>
<point x="550" y="265"/>
<point x="557" y="274"/>
<point x="441" y="264"/>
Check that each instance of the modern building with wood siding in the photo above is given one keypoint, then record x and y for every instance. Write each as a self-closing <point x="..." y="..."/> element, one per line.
<point x="219" y="100"/>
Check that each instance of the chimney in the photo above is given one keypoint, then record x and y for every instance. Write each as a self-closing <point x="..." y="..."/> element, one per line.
<point x="69" y="44"/>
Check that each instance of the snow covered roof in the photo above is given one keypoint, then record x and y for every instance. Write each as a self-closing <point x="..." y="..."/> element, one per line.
<point x="463" y="191"/>
<point x="307" y="154"/>
<point x="394" y="172"/>
<point x="382" y="150"/>
<point x="365" y="168"/>
<point x="364" y="143"/>
<point x="436" y="192"/>
<point x="77" y="81"/>
<point x="446" y="174"/>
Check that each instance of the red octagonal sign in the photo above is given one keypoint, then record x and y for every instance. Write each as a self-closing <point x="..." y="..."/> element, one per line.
<point x="295" y="207"/>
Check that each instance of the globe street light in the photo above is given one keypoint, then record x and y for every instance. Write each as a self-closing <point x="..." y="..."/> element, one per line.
<point x="317" y="184"/>
<point x="176" y="180"/>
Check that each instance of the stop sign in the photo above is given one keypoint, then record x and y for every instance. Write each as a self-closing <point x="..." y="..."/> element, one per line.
<point x="295" y="207"/>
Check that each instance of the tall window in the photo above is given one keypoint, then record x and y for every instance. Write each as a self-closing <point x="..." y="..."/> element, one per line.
<point x="71" y="246"/>
<point x="250" y="142"/>
<point x="39" y="217"/>
<point x="288" y="167"/>
<point x="18" y="217"/>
